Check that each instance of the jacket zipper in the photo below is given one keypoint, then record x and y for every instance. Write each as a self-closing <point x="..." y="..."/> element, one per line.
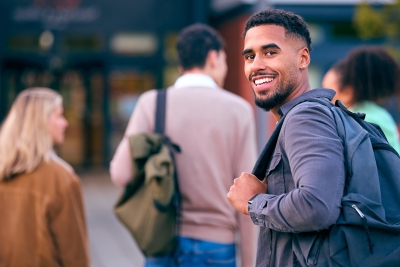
<point x="270" y="249"/>
<point x="320" y="238"/>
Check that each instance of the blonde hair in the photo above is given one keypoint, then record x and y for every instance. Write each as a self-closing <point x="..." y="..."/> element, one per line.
<point x="25" y="138"/>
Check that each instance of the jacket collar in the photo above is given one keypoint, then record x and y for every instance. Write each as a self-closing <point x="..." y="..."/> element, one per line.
<point x="315" y="93"/>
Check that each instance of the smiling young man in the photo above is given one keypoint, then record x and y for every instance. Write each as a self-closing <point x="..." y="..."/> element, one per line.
<point x="304" y="180"/>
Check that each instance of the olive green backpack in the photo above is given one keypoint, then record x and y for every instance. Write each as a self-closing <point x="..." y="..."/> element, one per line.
<point x="149" y="205"/>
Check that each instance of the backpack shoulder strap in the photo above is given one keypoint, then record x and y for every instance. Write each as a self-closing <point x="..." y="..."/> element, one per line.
<point x="359" y="117"/>
<point x="262" y="162"/>
<point x="159" y="128"/>
<point x="160" y="111"/>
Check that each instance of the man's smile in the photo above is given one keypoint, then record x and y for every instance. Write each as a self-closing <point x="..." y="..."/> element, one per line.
<point x="260" y="81"/>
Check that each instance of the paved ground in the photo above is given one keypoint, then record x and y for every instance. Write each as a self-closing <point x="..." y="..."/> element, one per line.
<point x="110" y="244"/>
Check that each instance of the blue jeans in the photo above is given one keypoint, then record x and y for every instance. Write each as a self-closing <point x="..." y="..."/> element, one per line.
<point x="197" y="253"/>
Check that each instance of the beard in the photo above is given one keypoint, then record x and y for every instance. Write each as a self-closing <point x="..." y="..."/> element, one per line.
<point x="276" y="99"/>
<point x="278" y="96"/>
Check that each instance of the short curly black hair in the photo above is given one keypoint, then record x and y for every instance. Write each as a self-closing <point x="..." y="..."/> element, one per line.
<point x="294" y="24"/>
<point x="372" y="72"/>
<point x="193" y="44"/>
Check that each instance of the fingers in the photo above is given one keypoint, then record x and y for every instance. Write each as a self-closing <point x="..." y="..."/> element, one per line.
<point x="231" y="196"/>
<point x="243" y="188"/>
<point x="248" y="175"/>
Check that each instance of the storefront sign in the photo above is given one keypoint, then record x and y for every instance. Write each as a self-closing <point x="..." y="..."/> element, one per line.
<point x="56" y="14"/>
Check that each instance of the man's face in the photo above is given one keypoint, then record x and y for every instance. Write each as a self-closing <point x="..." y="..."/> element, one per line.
<point x="271" y="65"/>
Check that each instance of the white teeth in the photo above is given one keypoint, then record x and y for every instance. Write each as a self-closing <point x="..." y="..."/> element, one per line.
<point x="264" y="80"/>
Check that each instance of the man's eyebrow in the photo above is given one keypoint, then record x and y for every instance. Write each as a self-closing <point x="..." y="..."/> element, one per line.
<point x="247" y="51"/>
<point x="264" y="47"/>
<point x="273" y="45"/>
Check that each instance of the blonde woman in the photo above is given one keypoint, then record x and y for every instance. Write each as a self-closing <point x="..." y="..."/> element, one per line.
<point x="42" y="220"/>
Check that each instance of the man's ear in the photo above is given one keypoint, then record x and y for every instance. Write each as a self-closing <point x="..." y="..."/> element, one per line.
<point x="211" y="60"/>
<point x="304" y="56"/>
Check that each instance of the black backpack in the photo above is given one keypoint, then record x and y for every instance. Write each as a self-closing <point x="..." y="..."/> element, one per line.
<point x="367" y="232"/>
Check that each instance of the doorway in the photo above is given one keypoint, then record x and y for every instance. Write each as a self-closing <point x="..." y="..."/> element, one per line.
<point x="82" y="85"/>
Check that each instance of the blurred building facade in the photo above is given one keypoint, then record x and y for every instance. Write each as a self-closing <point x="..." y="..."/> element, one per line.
<point x="101" y="55"/>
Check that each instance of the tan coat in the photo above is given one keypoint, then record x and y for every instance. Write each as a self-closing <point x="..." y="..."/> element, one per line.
<point x="42" y="222"/>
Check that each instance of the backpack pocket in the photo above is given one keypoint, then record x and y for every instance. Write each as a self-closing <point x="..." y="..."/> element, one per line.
<point x="362" y="238"/>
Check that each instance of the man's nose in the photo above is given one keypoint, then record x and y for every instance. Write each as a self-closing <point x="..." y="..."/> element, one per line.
<point x="257" y="64"/>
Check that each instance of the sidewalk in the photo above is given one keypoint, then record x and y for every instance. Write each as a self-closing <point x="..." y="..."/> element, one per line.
<point x="110" y="243"/>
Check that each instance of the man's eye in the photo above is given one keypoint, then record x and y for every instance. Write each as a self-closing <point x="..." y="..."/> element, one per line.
<point x="270" y="53"/>
<point x="249" y="57"/>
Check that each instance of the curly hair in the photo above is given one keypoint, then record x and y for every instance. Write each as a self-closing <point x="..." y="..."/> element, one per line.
<point x="372" y="73"/>
<point x="193" y="44"/>
<point x="294" y="24"/>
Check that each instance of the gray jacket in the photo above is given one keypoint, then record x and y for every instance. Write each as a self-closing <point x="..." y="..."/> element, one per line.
<point x="305" y="182"/>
